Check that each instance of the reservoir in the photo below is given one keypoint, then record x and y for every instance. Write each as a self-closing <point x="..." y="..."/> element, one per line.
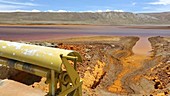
<point x="55" y="32"/>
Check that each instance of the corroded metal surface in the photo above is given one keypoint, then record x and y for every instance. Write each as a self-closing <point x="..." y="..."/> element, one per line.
<point x="38" y="55"/>
<point x="29" y="68"/>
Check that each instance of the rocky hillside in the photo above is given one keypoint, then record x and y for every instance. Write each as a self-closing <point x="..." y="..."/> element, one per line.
<point x="165" y="16"/>
<point x="98" y="18"/>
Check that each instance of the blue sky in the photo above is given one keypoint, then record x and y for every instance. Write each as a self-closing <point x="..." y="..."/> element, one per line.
<point x="136" y="6"/>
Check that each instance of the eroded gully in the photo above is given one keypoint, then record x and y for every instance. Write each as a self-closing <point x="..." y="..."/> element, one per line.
<point x="131" y="64"/>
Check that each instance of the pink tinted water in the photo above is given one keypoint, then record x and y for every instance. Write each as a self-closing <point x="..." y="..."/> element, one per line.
<point x="54" y="32"/>
<point x="142" y="47"/>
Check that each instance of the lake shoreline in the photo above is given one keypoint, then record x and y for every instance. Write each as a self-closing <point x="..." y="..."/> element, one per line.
<point x="119" y="26"/>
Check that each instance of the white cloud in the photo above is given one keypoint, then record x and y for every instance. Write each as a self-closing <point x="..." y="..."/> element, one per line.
<point x="4" y="7"/>
<point x="99" y="11"/>
<point x="18" y="3"/>
<point x="161" y="9"/>
<point x="19" y="11"/>
<point x="159" y="6"/>
<point x="118" y="10"/>
<point x="13" y="5"/>
<point x="134" y="3"/>
<point x="146" y="8"/>
<point x="62" y="11"/>
<point x="153" y="9"/>
<point x="87" y="11"/>
<point x="161" y="2"/>
<point x="15" y="9"/>
<point x="34" y="10"/>
<point x="108" y="10"/>
<point x="50" y="11"/>
<point x="57" y="11"/>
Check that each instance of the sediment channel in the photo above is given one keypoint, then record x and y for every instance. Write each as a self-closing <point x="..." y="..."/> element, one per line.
<point x="131" y="66"/>
<point x="112" y="65"/>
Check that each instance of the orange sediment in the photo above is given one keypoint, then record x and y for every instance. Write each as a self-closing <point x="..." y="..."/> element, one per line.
<point x="130" y="64"/>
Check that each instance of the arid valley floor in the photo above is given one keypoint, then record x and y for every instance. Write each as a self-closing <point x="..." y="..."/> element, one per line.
<point x="117" y="60"/>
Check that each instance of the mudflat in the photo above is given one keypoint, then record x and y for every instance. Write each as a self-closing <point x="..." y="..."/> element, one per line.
<point x="54" y="32"/>
<point x="150" y="27"/>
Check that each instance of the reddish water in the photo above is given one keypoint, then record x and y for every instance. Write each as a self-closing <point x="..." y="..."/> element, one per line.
<point x="142" y="47"/>
<point x="67" y="31"/>
<point x="54" y="32"/>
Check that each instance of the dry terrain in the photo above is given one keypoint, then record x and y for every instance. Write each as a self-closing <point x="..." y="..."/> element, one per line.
<point x="110" y="67"/>
<point x="117" y="60"/>
<point x="88" y="18"/>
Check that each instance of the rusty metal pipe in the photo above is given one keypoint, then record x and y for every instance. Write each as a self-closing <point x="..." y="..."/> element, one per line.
<point x="29" y="68"/>
<point x="38" y="55"/>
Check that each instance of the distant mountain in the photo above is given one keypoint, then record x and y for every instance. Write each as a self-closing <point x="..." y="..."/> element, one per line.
<point x="164" y="17"/>
<point x="98" y="18"/>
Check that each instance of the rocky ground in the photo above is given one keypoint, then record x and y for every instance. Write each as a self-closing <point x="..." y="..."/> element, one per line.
<point x="159" y="73"/>
<point x="101" y="61"/>
<point x="110" y="68"/>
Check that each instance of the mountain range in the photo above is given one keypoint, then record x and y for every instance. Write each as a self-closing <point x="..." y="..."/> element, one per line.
<point x="98" y="18"/>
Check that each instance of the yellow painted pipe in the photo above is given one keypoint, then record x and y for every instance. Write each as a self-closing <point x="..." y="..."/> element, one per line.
<point x="38" y="55"/>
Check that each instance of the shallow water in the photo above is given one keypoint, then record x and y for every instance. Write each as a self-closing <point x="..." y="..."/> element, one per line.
<point x="58" y="32"/>
<point x="142" y="47"/>
<point x="53" y="32"/>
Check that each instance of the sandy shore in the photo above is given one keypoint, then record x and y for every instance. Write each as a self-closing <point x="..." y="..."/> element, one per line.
<point x="167" y="27"/>
<point x="88" y="25"/>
